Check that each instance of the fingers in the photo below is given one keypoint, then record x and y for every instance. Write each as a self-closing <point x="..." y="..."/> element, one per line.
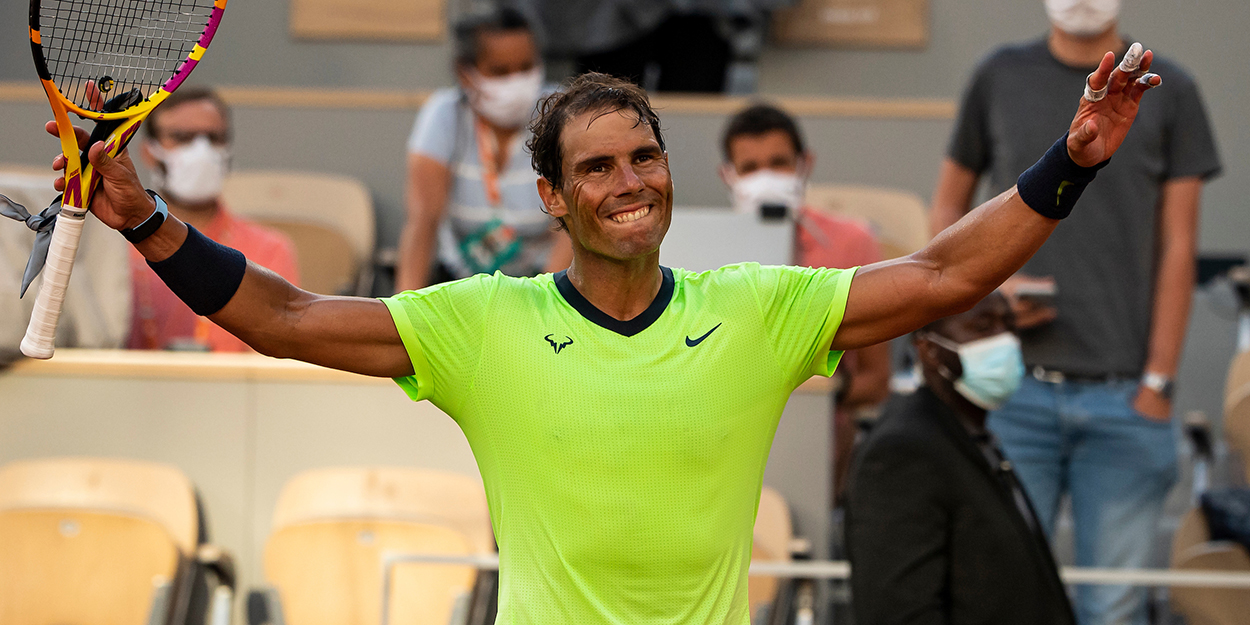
<point x="1083" y="136"/>
<point x="1097" y="83"/>
<point x="80" y="134"/>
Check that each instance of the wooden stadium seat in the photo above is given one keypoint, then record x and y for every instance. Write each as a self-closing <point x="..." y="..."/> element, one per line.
<point x="331" y="527"/>
<point x="1193" y="549"/>
<point x="772" y="539"/>
<point x="290" y="199"/>
<point x="897" y="217"/>
<point x="86" y="540"/>
<point x="327" y="262"/>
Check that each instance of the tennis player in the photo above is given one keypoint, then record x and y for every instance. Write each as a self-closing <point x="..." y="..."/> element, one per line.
<point x="621" y="412"/>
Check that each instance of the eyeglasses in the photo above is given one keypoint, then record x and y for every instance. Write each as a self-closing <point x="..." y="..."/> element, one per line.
<point x="185" y="137"/>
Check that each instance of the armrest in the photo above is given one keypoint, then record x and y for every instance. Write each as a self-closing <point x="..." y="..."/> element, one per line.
<point x="219" y="561"/>
<point x="264" y="607"/>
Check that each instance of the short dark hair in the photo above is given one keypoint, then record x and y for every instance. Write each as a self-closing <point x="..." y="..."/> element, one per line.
<point x="469" y="29"/>
<point x="757" y="120"/>
<point x="182" y="96"/>
<point x="589" y="92"/>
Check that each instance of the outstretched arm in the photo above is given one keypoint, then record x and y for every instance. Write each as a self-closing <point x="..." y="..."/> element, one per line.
<point x="971" y="258"/>
<point x="267" y="312"/>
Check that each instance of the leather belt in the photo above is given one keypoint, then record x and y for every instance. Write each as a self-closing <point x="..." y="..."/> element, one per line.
<point x="1053" y="376"/>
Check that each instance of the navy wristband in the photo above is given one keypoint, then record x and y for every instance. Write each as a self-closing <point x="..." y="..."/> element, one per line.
<point x="1053" y="184"/>
<point x="204" y="274"/>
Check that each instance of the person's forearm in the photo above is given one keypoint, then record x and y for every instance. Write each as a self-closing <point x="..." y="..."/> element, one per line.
<point x="952" y="198"/>
<point x="417" y="244"/>
<point x="1174" y="277"/>
<point x="870" y="382"/>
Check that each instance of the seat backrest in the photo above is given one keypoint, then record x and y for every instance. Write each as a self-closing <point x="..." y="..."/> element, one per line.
<point x="1237" y="408"/>
<point x="326" y="259"/>
<point x="772" y="536"/>
<point x="425" y="496"/>
<point x="340" y="203"/>
<point x="329" y="572"/>
<point x="897" y="217"/>
<point x="1191" y="531"/>
<point x="87" y="540"/>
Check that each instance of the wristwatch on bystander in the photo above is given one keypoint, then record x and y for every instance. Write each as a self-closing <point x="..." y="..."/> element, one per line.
<point x="1158" y="383"/>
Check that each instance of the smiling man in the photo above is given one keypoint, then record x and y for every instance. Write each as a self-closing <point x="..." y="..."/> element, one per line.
<point x="621" y="412"/>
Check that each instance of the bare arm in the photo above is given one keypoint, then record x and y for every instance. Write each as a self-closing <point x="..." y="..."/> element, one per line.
<point x="970" y="259"/>
<point x="1174" y="286"/>
<point x="429" y="182"/>
<point x="952" y="199"/>
<point x="267" y="312"/>
<point x="870" y="382"/>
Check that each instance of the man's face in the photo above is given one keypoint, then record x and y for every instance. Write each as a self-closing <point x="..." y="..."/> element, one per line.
<point x="772" y="150"/>
<point x="179" y="126"/>
<point x="617" y="194"/>
<point x="990" y="317"/>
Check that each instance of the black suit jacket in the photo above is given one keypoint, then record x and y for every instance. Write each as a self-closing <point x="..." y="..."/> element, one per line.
<point x="933" y="531"/>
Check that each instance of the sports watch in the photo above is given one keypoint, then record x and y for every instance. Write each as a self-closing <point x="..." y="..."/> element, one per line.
<point x="152" y="223"/>
<point x="1158" y="383"/>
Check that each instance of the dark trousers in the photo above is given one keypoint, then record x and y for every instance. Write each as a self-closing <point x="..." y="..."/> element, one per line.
<point x="687" y="50"/>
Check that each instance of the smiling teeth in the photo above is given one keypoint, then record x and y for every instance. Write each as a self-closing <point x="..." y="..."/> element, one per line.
<point x="625" y="218"/>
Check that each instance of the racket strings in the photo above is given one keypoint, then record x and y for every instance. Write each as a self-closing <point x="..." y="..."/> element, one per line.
<point x="118" y="45"/>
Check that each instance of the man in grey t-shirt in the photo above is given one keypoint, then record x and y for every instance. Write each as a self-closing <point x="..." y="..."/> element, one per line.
<point x="1093" y="416"/>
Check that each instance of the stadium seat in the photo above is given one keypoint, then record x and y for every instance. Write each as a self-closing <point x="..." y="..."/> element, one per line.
<point x="1192" y="547"/>
<point x="101" y="541"/>
<point x="897" y="217"/>
<point x="329" y="217"/>
<point x="331" y="527"/>
<point x="772" y="599"/>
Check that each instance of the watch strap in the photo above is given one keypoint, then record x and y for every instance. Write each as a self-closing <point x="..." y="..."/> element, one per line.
<point x="152" y="223"/>
<point x="1158" y="383"/>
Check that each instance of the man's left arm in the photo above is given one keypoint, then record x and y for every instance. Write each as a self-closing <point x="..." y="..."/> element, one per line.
<point x="1174" y="286"/>
<point x="968" y="260"/>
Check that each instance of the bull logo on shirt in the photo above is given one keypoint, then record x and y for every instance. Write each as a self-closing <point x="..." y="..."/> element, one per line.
<point x="568" y="340"/>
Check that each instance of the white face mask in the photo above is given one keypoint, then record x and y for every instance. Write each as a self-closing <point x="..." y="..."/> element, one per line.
<point x="1083" y="18"/>
<point x="506" y="101"/>
<point x="766" y="187"/>
<point x="194" y="172"/>
<point x="992" y="368"/>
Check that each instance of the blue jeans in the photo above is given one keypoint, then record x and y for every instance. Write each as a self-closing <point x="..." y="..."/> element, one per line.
<point x="1085" y="438"/>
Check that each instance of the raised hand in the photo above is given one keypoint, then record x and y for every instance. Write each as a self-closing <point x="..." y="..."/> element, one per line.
<point x="120" y="201"/>
<point x="1101" y="123"/>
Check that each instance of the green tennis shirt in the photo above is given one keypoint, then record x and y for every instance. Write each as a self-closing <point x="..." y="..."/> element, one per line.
<point x="622" y="461"/>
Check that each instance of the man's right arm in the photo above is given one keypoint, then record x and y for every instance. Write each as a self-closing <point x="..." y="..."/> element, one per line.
<point x="267" y="312"/>
<point x="953" y="196"/>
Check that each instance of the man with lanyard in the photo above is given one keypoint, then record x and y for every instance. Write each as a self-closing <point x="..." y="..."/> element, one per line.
<point x="621" y="412"/>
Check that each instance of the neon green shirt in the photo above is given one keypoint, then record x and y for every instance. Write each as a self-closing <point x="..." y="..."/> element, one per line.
<point x="622" y="460"/>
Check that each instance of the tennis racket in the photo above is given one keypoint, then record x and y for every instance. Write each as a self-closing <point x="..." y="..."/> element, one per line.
<point x="111" y="61"/>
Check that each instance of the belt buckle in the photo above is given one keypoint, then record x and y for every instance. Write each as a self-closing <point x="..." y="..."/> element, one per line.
<point x="1044" y="375"/>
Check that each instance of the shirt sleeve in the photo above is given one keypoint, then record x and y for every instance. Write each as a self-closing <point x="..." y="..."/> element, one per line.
<point x="434" y="133"/>
<point x="1191" y="147"/>
<point x="970" y="141"/>
<point x="802" y="308"/>
<point x="442" y="328"/>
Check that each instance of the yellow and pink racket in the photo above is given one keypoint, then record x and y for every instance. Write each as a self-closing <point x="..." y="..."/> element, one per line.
<point x="111" y="61"/>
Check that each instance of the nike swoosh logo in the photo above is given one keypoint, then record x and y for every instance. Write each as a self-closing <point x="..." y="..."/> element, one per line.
<point x="692" y="343"/>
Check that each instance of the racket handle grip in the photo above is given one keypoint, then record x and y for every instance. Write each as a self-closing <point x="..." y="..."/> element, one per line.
<point x="41" y="333"/>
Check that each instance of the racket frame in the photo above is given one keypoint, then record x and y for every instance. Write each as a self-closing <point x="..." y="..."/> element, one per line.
<point x="80" y="177"/>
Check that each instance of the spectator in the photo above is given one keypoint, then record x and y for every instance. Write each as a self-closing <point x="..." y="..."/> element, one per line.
<point x="473" y="206"/>
<point x="766" y="161"/>
<point x="96" y="311"/>
<point x="187" y="148"/>
<point x="1092" y="419"/>
<point x="939" y="529"/>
